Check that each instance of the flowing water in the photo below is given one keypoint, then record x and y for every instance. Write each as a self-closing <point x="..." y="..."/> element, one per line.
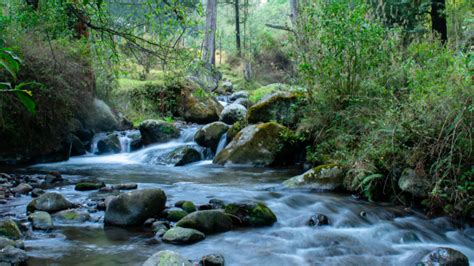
<point x="385" y="235"/>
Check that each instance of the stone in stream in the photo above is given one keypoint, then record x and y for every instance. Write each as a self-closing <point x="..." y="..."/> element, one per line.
<point x="208" y="222"/>
<point x="167" y="258"/>
<point x="415" y="184"/>
<point x="329" y="177"/>
<point x="50" y="202"/>
<point x="36" y="192"/>
<point x="182" y="156"/>
<point x="77" y="147"/>
<point x="12" y="256"/>
<point x="180" y="235"/>
<point x="281" y="107"/>
<point x="22" y="188"/>
<point x="4" y="242"/>
<point x="212" y="260"/>
<point x="87" y="186"/>
<point x="133" y="208"/>
<point x="444" y="256"/>
<point x="252" y="214"/>
<point x="217" y="204"/>
<point x="318" y="220"/>
<point x="259" y="145"/>
<point x="154" y="131"/>
<point x="244" y="101"/>
<point x="125" y="186"/>
<point x="72" y="216"/>
<point x="239" y="95"/>
<point x="233" y="113"/>
<point x="160" y="228"/>
<point x="188" y="206"/>
<point x="41" y="220"/>
<point x="9" y="229"/>
<point x="110" y="144"/>
<point x="209" y="135"/>
<point x="175" y="215"/>
<point x="198" y="106"/>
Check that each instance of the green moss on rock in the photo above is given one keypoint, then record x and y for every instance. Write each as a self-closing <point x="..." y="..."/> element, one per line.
<point x="9" y="229"/>
<point x="251" y="214"/>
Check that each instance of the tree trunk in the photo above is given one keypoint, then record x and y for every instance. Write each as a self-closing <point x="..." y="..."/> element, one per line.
<point x="294" y="12"/>
<point x="209" y="53"/>
<point x="237" y="27"/>
<point x="438" y="19"/>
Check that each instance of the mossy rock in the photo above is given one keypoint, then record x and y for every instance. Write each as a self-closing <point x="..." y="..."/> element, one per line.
<point x="86" y="186"/>
<point x="72" y="216"/>
<point x="210" y="135"/>
<point x="9" y="229"/>
<point x="175" y="215"/>
<point x="280" y="107"/>
<point x="235" y="129"/>
<point x="179" y="235"/>
<point x="167" y="258"/>
<point x="414" y="183"/>
<point x="182" y="156"/>
<point x="110" y="144"/>
<point x="328" y="177"/>
<point x="154" y="131"/>
<point x="258" y="145"/>
<point x="41" y="220"/>
<point x="251" y="214"/>
<point x="233" y="113"/>
<point x="197" y="106"/>
<point x="50" y="202"/>
<point x="208" y="222"/>
<point x="189" y="207"/>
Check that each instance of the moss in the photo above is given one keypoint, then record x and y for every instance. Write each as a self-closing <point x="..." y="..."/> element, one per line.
<point x="189" y="207"/>
<point x="258" y="94"/>
<point x="70" y="216"/>
<point x="251" y="214"/>
<point x="176" y="215"/>
<point x="262" y="215"/>
<point x="279" y="107"/>
<point x="9" y="229"/>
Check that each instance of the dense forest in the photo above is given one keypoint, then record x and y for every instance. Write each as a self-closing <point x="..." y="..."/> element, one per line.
<point x="304" y="132"/>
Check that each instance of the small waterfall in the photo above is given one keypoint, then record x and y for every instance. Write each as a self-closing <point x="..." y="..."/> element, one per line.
<point x="222" y="143"/>
<point x="125" y="142"/>
<point x="125" y="138"/>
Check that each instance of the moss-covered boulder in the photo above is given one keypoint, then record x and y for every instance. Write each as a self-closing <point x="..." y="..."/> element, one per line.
<point x="110" y="144"/>
<point x="167" y="258"/>
<point x="259" y="145"/>
<point x="50" y="202"/>
<point x="188" y="206"/>
<point x="281" y="107"/>
<point x="182" y="156"/>
<point x="86" y="186"/>
<point x="204" y="75"/>
<point x="252" y="214"/>
<point x="233" y="113"/>
<point x="133" y="208"/>
<point x="175" y="215"/>
<point x="415" y="184"/>
<point x="41" y="220"/>
<point x="72" y="216"/>
<point x="196" y="105"/>
<point x="329" y="177"/>
<point x="235" y="129"/>
<point x="154" y="131"/>
<point x="179" y="235"/>
<point x="9" y="229"/>
<point x="208" y="222"/>
<point x="209" y="135"/>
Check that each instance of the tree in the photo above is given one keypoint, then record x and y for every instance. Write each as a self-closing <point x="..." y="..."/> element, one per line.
<point x="237" y="27"/>
<point x="438" y="19"/>
<point x="209" y="53"/>
<point x="294" y="11"/>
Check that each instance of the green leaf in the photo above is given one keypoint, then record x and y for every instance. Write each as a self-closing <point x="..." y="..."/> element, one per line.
<point x="27" y="100"/>
<point x="5" y="86"/>
<point x="9" y="63"/>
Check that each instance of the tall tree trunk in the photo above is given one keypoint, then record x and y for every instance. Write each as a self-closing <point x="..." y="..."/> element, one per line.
<point x="294" y="12"/>
<point x="209" y="53"/>
<point x="438" y="19"/>
<point x="237" y="27"/>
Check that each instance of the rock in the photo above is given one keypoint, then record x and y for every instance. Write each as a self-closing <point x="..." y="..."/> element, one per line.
<point x="84" y="134"/>
<point x="72" y="216"/>
<point x="133" y="208"/>
<point x="154" y="131"/>
<point x="227" y="86"/>
<point x="167" y="258"/>
<point x="411" y="182"/>
<point x="160" y="228"/>
<point x="204" y="75"/>
<point x="258" y="145"/>
<point x="209" y="135"/>
<point x="5" y="242"/>
<point x="212" y="260"/>
<point x="125" y="186"/>
<point x="179" y="235"/>
<point x="111" y="144"/>
<point x="77" y="147"/>
<point x="235" y="129"/>
<point x="217" y="203"/>
<point x="329" y="177"/>
<point x="101" y="118"/>
<point x="239" y="95"/>
<point x="182" y="156"/>
<point x="87" y="186"/>
<point x="205" y="207"/>
<point x="136" y="144"/>
<point x="233" y="113"/>
<point x="41" y="220"/>
<point x="9" y="229"/>
<point x="36" y="192"/>
<point x="52" y="180"/>
<point x="198" y="106"/>
<point x="22" y="188"/>
<point x="175" y="215"/>
<point x="188" y="206"/>
<point x="244" y="101"/>
<point x="12" y="256"/>
<point x="208" y="222"/>
<point x="280" y="107"/>
<point x="444" y="256"/>
<point x="50" y="202"/>
<point x="318" y="220"/>
<point x="253" y="214"/>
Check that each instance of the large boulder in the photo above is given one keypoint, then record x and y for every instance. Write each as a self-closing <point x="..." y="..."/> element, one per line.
<point x="179" y="235"/>
<point x="417" y="185"/>
<point x="327" y="177"/>
<point x="182" y="156"/>
<point x="50" y="202"/>
<point x="101" y="117"/>
<point x="281" y="107"/>
<point x="12" y="256"/>
<point x="196" y="105"/>
<point x="252" y="214"/>
<point x="167" y="258"/>
<point x="209" y="135"/>
<point x="444" y="256"/>
<point x="41" y="220"/>
<point x="9" y="229"/>
<point x="154" y="131"/>
<point x="133" y="208"/>
<point x="259" y="145"/>
<point x="204" y="75"/>
<point x="208" y="222"/>
<point x="77" y="147"/>
<point x="233" y="113"/>
<point x="110" y="144"/>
